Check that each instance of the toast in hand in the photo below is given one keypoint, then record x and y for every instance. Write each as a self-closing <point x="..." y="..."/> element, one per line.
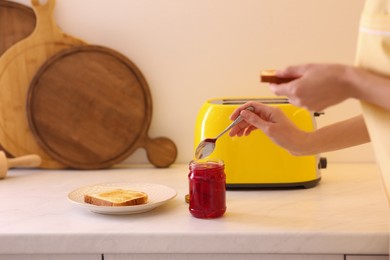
<point x="116" y="198"/>
<point x="270" y="76"/>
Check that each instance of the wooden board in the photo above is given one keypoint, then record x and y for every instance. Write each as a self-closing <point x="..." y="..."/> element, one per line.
<point x="17" y="21"/>
<point x="18" y="65"/>
<point x="90" y="107"/>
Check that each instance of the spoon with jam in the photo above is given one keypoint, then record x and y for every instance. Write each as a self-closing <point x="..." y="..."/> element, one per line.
<point x="207" y="146"/>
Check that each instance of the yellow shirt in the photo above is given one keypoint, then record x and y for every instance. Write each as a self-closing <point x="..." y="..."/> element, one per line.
<point x="373" y="53"/>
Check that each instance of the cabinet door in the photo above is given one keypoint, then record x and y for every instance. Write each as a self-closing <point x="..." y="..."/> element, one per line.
<point x="367" y="257"/>
<point x="219" y="257"/>
<point x="52" y="257"/>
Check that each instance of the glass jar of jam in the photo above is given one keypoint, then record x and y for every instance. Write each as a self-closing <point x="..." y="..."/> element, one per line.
<point x="207" y="183"/>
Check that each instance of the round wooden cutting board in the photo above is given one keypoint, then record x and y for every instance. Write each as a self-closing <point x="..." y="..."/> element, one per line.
<point x="90" y="107"/>
<point x="17" y="21"/>
<point x="18" y="65"/>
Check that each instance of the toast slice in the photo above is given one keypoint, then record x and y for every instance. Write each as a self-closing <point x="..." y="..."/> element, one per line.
<point x="116" y="198"/>
<point x="270" y="76"/>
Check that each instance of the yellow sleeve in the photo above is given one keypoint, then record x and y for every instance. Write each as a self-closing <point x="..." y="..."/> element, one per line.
<point x="373" y="54"/>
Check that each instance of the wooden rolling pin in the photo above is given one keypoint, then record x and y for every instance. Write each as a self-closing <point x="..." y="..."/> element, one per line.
<point x="25" y="161"/>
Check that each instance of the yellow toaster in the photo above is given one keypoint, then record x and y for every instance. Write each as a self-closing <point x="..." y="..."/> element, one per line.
<point x="254" y="161"/>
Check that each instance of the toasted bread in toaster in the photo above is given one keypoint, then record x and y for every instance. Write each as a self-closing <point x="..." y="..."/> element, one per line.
<point x="115" y="198"/>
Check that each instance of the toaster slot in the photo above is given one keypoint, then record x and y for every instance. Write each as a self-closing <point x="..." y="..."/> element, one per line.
<point x="245" y="100"/>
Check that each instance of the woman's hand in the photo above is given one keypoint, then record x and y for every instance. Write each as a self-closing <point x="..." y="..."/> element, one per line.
<point x="317" y="86"/>
<point x="273" y="122"/>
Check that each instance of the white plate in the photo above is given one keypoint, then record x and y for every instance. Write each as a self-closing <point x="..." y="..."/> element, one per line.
<point x="157" y="195"/>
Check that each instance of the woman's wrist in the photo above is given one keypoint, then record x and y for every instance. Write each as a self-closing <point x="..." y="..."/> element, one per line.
<point x="370" y="87"/>
<point x="353" y="79"/>
<point x="303" y="144"/>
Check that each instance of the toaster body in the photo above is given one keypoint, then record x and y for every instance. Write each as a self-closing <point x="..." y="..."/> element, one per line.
<point x="254" y="161"/>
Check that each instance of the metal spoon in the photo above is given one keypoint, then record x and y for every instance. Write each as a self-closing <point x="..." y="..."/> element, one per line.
<point x="206" y="147"/>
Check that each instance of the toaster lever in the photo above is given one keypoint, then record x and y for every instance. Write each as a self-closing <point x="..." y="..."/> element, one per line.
<point x="317" y="114"/>
<point x="323" y="163"/>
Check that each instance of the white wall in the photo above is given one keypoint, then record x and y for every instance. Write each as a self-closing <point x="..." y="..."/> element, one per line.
<point x="193" y="50"/>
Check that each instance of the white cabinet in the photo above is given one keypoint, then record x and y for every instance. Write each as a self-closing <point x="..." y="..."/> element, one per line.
<point x="367" y="257"/>
<point x="189" y="257"/>
<point x="51" y="257"/>
<point x="219" y="257"/>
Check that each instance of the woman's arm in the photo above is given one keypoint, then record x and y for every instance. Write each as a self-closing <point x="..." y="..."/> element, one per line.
<point x="370" y="87"/>
<point x="282" y="131"/>
<point x="318" y="86"/>
<point x="343" y="134"/>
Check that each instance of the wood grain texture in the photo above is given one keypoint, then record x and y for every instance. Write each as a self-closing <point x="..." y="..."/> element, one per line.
<point x="90" y="107"/>
<point x="161" y="151"/>
<point x="18" y="65"/>
<point x="17" y="21"/>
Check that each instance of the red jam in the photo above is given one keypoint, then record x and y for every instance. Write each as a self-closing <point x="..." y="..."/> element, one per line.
<point x="207" y="183"/>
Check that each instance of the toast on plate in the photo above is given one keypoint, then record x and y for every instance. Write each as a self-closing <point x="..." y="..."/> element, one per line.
<point x="117" y="198"/>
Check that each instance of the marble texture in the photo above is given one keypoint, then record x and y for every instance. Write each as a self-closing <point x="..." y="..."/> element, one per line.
<point x="347" y="213"/>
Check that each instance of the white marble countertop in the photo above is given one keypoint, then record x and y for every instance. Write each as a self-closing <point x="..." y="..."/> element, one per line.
<point x="347" y="213"/>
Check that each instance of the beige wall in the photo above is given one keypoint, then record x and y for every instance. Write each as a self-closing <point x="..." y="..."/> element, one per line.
<point x="192" y="50"/>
